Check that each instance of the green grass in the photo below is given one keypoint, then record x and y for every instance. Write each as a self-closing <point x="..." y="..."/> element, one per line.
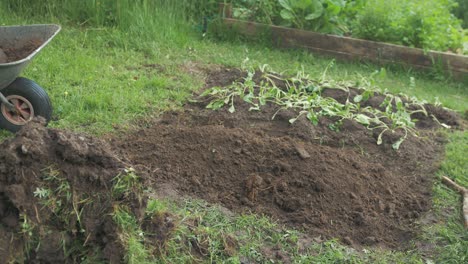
<point x="450" y="236"/>
<point x="97" y="80"/>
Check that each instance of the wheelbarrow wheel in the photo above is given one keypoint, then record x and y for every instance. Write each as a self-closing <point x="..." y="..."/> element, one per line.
<point x="29" y="100"/>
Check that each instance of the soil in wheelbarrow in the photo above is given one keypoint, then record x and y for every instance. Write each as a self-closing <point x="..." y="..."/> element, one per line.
<point x="331" y="184"/>
<point x="58" y="200"/>
<point x="21" y="51"/>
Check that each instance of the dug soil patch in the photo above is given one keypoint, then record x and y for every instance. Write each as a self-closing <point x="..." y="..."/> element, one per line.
<point x="334" y="184"/>
<point x="58" y="200"/>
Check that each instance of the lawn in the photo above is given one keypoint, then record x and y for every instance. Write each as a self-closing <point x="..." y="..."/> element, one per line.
<point x="106" y="80"/>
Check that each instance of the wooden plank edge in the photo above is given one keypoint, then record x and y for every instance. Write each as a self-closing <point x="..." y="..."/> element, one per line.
<point x="252" y="28"/>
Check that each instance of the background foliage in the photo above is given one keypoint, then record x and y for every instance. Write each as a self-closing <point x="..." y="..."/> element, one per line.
<point x="461" y="11"/>
<point x="427" y="24"/>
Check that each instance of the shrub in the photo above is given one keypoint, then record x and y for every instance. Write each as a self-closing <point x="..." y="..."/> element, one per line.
<point x="424" y="24"/>
<point x="461" y="11"/>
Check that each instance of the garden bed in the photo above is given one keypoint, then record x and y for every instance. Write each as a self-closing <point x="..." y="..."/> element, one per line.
<point x="74" y="192"/>
<point x="332" y="184"/>
<point x="350" y="48"/>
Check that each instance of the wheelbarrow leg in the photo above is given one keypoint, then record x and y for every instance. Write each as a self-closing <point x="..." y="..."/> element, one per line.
<point x="5" y="101"/>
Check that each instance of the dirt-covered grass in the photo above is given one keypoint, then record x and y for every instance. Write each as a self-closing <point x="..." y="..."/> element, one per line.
<point x="103" y="78"/>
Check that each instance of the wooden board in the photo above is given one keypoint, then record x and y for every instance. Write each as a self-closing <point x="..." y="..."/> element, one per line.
<point x="351" y="48"/>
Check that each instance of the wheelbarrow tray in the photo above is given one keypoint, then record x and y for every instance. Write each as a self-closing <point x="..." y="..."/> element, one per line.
<point x="18" y="37"/>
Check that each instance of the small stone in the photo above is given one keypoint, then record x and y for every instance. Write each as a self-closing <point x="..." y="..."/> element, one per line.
<point x="302" y="152"/>
<point x="24" y="149"/>
<point x="353" y="196"/>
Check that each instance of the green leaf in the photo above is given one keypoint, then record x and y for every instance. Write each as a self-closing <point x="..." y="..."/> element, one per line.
<point x="397" y="144"/>
<point x="285" y="4"/>
<point x="286" y="14"/>
<point x="232" y="109"/>
<point x="362" y="119"/>
<point x="248" y="98"/>
<point x="399" y="103"/>
<point x="339" y="3"/>
<point x="207" y="92"/>
<point x="357" y="98"/>
<point x="215" y="104"/>
<point x="316" y="10"/>
<point x="313" y="118"/>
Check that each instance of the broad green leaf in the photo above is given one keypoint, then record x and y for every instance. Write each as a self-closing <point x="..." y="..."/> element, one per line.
<point x="248" y="98"/>
<point x="340" y="3"/>
<point x="316" y="10"/>
<point x="303" y="4"/>
<point x="357" y="98"/>
<point x="215" y="104"/>
<point x="286" y="14"/>
<point x="285" y="4"/>
<point x="362" y="119"/>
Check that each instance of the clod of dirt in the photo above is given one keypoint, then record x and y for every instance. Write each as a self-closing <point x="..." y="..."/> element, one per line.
<point x="329" y="183"/>
<point x="56" y="198"/>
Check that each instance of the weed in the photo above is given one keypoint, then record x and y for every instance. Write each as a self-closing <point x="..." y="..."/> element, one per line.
<point x="131" y="235"/>
<point x="126" y="184"/>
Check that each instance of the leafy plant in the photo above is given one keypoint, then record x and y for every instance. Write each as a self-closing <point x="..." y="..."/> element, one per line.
<point x="303" y="94"/>
<point x="263" y="11"/>
<point x="316" y="15"/>
<point x="461" y="11"/>
<point x="423" y="24"/>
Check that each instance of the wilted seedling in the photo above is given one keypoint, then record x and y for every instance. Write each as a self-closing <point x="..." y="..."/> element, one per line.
<point x="304" y="95"/>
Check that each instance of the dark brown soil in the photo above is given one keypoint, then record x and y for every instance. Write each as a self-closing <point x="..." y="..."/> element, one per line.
<point x="48" y="159"/>
<point x="10" y="54"/>
<point x="333" y="184"/>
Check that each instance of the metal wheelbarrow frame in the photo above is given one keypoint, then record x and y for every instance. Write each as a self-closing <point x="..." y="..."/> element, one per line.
<point x="22" y="99"/>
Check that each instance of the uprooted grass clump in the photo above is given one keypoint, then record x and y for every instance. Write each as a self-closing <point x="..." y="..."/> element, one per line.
<point x="393" y="114"/>
<point x="66" y="198"/>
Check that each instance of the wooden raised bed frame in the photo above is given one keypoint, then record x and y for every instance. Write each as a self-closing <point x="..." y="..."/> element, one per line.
<point x="350" y="48"/>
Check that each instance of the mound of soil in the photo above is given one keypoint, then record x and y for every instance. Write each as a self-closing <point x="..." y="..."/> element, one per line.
<point x="56" y="202"/>
<point x="10" y="54"/>
<point x="331" y="184"/>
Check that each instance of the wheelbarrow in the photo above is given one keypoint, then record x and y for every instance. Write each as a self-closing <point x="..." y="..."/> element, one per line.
<point x="22" y="99"/>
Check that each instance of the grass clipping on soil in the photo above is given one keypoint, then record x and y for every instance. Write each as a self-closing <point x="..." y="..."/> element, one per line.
<point x="65" y="198"/>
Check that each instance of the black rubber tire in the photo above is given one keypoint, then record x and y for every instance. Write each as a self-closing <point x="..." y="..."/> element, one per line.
<point x="36" y="96"/>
